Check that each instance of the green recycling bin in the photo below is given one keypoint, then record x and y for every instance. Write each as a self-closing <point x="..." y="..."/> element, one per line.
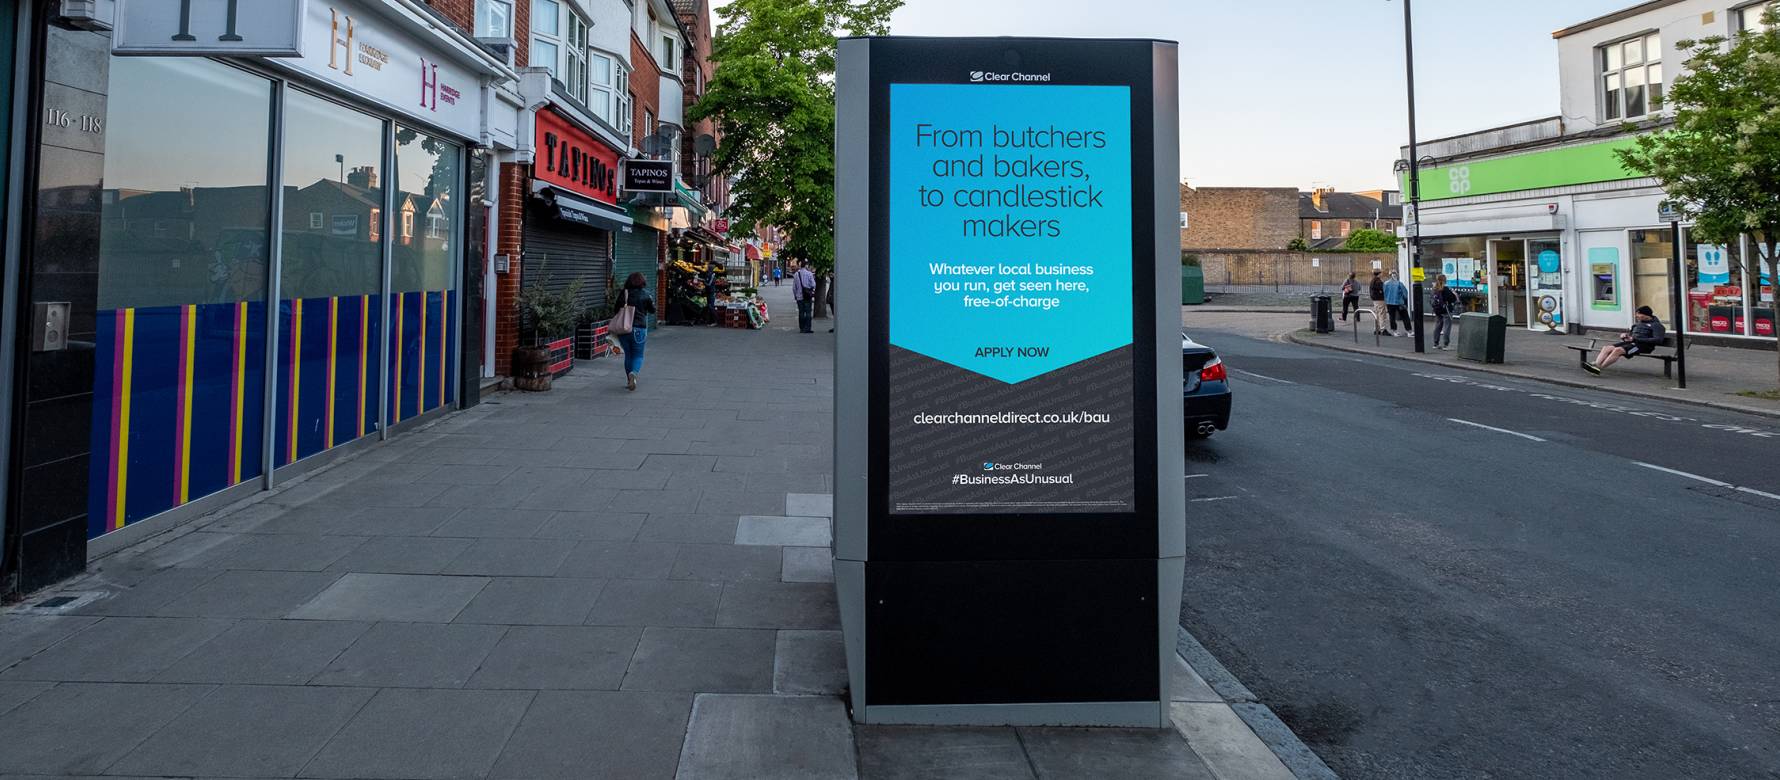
<point x="1482" y="337"/>
<point x="1192" y="285"/>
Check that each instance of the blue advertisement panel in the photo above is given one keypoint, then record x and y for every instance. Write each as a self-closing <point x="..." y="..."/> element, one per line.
<point x="1010" y="298"/>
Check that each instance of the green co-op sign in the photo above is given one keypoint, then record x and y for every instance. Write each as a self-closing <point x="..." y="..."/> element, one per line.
<point x="1560" y="167"/>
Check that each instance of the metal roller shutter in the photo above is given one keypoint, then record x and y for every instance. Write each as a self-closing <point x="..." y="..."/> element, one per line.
<point x="557" y="255"/>
<point x="635" y="251"/>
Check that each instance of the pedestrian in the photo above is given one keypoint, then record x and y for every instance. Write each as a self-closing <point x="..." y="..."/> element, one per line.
<point x="710" y="281"/>
<point x="803" y="289"/>
<point x="1375" y="292"/>
<point x="1646" y="334"/>
<point x="778" y="275"/>
<point x="1446" y="305"/>
<point x="830" y="298"/>
<point x="1396" y="301"/>
<point x="1350" y="296"/>
<point x="636" y="295"/>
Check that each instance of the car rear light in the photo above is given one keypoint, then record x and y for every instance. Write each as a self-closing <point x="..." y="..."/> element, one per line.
<point x="1213" y="371"/>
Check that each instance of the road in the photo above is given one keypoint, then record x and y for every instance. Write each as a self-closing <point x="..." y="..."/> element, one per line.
<point x="1419" y="596"/>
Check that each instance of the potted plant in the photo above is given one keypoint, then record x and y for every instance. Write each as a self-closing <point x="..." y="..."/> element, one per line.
<point x="544" y="316"/>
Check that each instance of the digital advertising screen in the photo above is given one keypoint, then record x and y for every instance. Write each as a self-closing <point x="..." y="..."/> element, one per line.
<point x="1010" y="298"/>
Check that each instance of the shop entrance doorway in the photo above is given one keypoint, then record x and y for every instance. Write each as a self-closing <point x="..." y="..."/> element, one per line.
<point x="1527" y="281"/>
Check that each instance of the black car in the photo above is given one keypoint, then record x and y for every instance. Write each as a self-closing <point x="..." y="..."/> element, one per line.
<point x="1205" y="395"/>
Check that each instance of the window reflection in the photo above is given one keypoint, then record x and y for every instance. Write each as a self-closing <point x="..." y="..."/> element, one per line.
<point x="184" y="205"/>
<point x="427" y="174"/>
<point x="333" y="198"/>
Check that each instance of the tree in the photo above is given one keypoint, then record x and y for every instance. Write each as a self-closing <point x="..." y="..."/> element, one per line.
<point x="1369" y="240"/>
<point x="1720" y="161"/>
<point x="773" y="99"/>
<point x="1297" y="244"/>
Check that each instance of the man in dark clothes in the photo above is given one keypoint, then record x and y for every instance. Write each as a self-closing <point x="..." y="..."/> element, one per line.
<point x="1646" y="335"/>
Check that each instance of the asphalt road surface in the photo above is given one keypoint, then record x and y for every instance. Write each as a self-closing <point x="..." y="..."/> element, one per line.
<point x="1588" y="587"/>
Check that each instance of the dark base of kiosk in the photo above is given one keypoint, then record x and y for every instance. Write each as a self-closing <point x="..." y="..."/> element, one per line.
<point x="1006" y="632"/>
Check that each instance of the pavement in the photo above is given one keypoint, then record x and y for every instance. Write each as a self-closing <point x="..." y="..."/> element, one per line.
<point x="580" y="583"/>
<point x="1429" y="572"/>
<point x="1715" y="375"/>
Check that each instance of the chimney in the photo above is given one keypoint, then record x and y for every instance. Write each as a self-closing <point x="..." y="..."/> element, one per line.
<point x="363" y="177"/>
<point x="1317" y="197"/>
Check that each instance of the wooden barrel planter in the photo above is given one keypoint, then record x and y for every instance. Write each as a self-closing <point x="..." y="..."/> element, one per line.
<point x="531" y="368"/>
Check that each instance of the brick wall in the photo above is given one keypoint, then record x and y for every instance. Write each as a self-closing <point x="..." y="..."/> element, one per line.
<point x="645" y="89"/>
<point x="1239" y="217"/>
<point x="461" y="12"/>
<point x="1290" y="267"/>
<point x="506" y="286"/>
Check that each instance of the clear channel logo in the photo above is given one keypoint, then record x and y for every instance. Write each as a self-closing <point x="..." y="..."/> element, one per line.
<point x="990" y="77"/>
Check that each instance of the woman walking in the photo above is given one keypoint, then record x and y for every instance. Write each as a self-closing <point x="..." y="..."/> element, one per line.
<point x="1446" y="304"/>
<point x="635" y="295"/>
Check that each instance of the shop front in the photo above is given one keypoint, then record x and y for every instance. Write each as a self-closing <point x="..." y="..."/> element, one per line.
<point x="571" y="220"/>
<point x="258" y="261"/>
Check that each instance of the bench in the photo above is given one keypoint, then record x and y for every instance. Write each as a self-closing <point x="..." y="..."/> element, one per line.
<point x="1584" y="352"/>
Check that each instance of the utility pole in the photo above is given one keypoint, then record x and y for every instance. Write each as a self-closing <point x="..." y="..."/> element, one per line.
<point x="1415" y="189"/>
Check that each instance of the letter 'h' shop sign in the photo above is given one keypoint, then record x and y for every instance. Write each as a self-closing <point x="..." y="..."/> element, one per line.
<point x="263" y="28"/>
<point x="1009" y="510"/>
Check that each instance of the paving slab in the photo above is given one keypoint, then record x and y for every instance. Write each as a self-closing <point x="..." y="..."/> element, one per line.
<point x="1225" y="743"/>
<point x="769" y="501"/>
<point x="537" y="601"/>
<point x="656" y="603"/>
<point x="597" y="526"/>
<point x="784" y="531"/>
<point x="581" y="734"/>
<point x="510" y="558"/>
<point x="941" y="753"/>
<point x="82" y="728"/>
<point x="779" y="605"/>
<point x="620" y="560"/>
<point x="22" y="636"/>
<point x="388" y="521"/>
<point x="1078" y="752"/>
<point x="559" y="658"/>
<point x="266" y="652"/>
<point x="696" y="528"/>
<point x="402" y="555"/>
<point x="809" y="662"/>
<point x="423" y="734"/>
<point x="702" y="660"/>
<point x="493" y="524"/>
<point x="247" y="731"/>
<point x="727" y="563"/>
<point x="13" y="694"/>
<point x="807" y="564"/>
<point x="249" y="594"/>
<point x="809" y="504"/>
<point x="122" y="649"/>
<point x="503" y="496"/>
<point x="413" y="655"/>
<point x="145" y="595"/>
<point x="282" y="552"/>
<point x="746" y="737"/>
<point x="674" y="500"/>
<point x="394" y="597"/>
<point x="1187" y="685"/>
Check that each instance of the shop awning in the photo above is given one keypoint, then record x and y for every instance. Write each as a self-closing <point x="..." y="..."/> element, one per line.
<point x="753" y="251"/>
<point x="570" y="207"/>
<point x="690" y="201"/>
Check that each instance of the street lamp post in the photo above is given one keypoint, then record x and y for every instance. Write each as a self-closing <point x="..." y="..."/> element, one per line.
<point x="1415" y="190"/>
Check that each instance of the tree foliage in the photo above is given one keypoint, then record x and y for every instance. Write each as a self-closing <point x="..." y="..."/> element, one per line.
<point x="1297" y="244"/>
<point x="1720" y="161"/>
<point x="773" y="99"/>
<point x="1369" y="240"/>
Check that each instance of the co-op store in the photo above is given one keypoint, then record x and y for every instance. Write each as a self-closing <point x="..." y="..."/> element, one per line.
<point x="259" y="263"/>
<point x="1550" y="231"/>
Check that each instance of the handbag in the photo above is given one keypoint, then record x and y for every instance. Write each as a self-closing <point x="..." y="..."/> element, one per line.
<point x="624" y="321"/>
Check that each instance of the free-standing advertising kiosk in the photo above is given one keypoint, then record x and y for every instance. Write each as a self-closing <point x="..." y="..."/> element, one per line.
<point x="1009" y="506"/>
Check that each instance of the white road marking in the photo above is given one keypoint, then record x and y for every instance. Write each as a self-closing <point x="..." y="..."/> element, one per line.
<point x="1213" y="498"/>
<point x="1196" y="476"/>
<point x="1694" y="477"/>
<point x="1526" y="436"/>
<point x="1262" y="376"/>
<point x="1754" y="492"/>
<point x="1709" y="481"/>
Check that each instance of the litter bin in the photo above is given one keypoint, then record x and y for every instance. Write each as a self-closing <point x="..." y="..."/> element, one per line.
<point x="1192" y="285"/>
<point x="1482" y="337"/>
<point x="1322" y="317"/>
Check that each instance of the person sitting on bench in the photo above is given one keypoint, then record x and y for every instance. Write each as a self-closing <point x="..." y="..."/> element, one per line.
<point x="1645" y="336"/>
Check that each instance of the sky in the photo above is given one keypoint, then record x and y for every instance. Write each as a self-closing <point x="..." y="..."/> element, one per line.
<point x="1296" y="93"/>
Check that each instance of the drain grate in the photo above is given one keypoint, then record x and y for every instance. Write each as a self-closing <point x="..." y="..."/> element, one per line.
<point x="55" y="602"/>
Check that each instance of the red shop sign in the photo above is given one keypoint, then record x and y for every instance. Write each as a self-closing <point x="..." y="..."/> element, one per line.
<point x="574" y="160"/>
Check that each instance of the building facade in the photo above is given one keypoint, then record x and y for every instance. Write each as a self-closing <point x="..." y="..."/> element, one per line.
<point x="1539" y="221"/>
<point x="239" y="267"/>
<point x="1327" y="218"/>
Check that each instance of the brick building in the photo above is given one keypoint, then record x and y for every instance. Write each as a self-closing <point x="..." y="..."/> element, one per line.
<point x="1328" y="217"/>
<point x="1261" y="218"/>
